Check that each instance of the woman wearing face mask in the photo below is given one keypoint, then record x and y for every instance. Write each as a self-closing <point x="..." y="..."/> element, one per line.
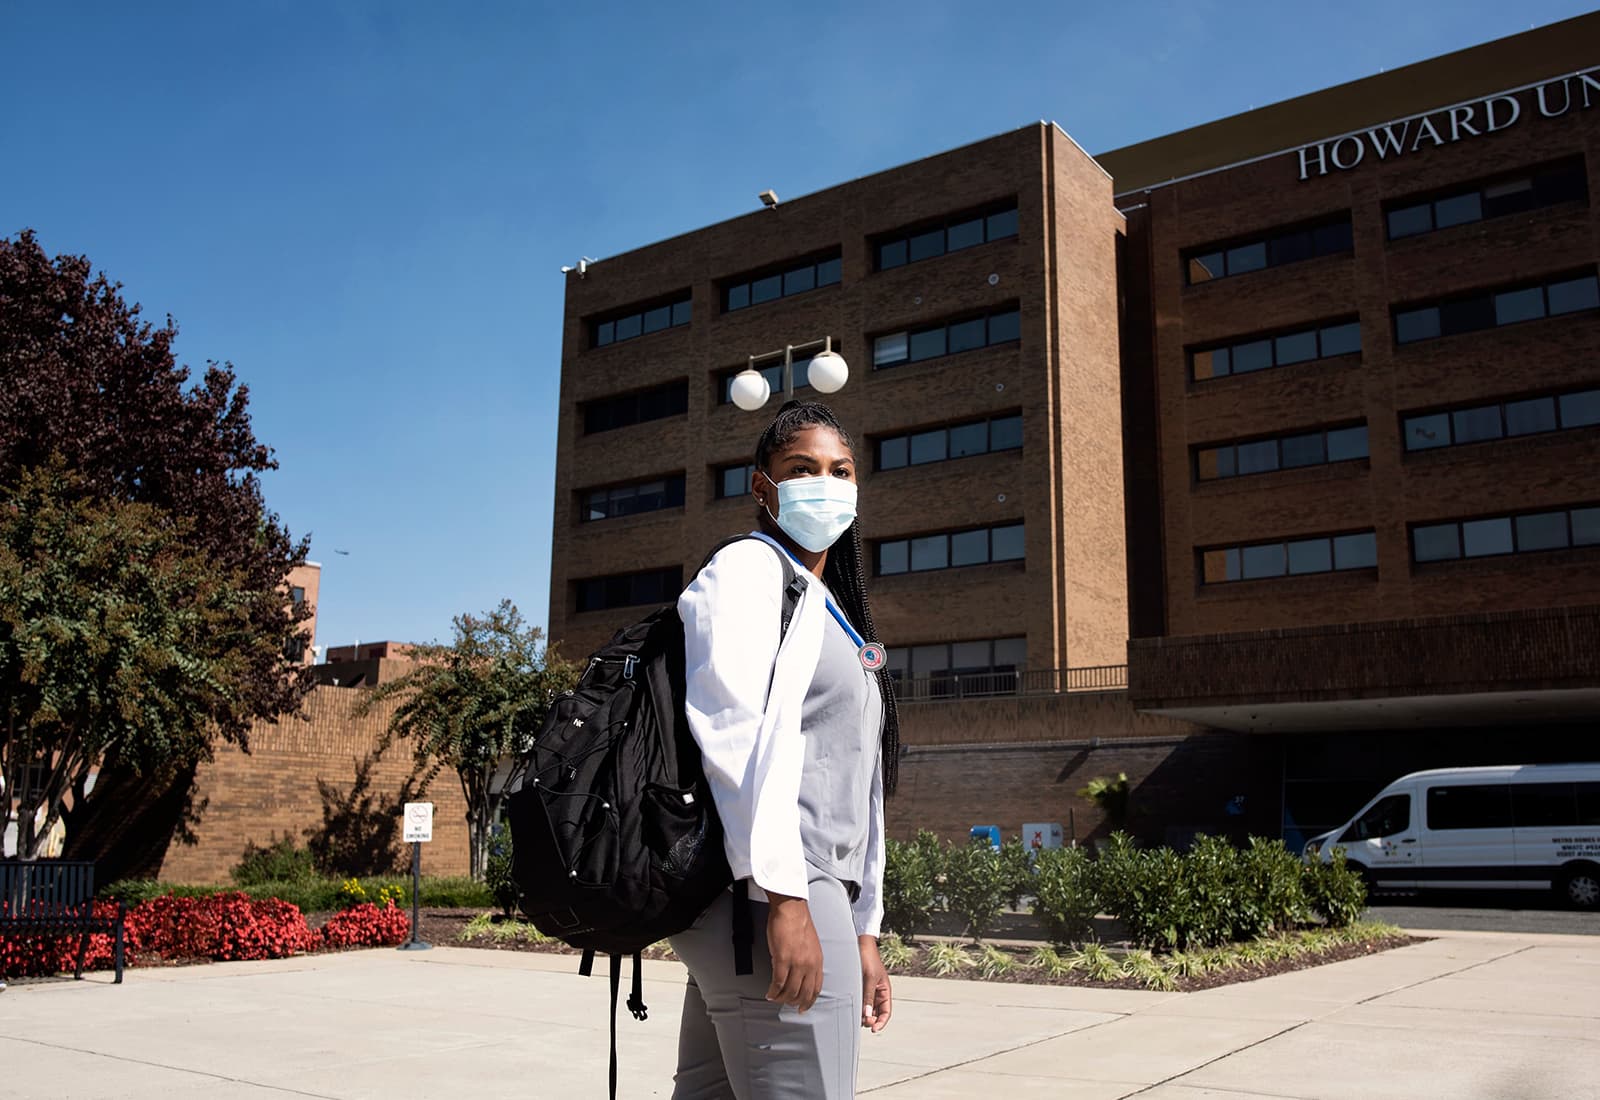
<point x="799" y="743"/>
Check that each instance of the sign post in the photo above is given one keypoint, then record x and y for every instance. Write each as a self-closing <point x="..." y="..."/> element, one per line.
<point x="418" y="831"/>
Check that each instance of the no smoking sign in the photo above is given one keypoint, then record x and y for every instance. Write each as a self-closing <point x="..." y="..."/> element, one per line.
<point x="419" y="822"/>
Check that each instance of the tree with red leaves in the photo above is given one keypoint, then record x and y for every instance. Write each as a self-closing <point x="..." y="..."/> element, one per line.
<point x="87" y="387"/>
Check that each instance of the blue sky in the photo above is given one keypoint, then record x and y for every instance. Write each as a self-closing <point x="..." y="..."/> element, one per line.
<point x="364" y="206"/>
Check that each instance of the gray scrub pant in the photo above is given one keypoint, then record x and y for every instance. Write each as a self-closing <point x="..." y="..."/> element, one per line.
<point x="735" y="1045"/>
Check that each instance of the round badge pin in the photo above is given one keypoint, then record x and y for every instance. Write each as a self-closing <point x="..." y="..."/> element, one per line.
<point x="873" y="656"/>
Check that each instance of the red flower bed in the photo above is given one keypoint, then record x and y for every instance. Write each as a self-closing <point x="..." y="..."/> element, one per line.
<point x="366" y="925"/>
<point x="29" y="954"/>
<point x="222" y="926"/>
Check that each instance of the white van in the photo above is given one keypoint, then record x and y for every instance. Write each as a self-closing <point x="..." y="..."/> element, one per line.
<point x="1518" y="827"/>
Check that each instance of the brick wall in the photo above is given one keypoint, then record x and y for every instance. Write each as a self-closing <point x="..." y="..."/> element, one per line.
<point x="1392" y="489"/>
<point x="242" y="799"/>
<point x="1552" y="649"/>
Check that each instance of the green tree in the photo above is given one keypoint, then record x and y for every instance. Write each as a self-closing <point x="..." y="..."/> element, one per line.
<point x="85" y="378"/>
<point x="474" y="705"/>
<point x="117" y="636"/>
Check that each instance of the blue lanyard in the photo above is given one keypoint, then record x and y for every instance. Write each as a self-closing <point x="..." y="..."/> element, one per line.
<point x="834" y="611"/>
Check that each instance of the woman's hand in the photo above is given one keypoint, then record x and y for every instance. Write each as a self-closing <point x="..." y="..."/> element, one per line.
<point x="796" y="952"/>
<point x="877" y="1003"/>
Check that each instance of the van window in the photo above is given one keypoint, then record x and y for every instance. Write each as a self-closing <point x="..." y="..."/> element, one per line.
<point x="1475" y="807"/>
<point x="1547" y="805"/>
<point x="1389" y="816"/>
<point x="1589" y="803"/>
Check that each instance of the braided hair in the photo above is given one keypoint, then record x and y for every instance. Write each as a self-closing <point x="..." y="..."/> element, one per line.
<point x="845" y="570"/>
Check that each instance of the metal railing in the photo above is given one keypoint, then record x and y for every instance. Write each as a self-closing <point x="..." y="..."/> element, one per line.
<point x="987" y="685"/>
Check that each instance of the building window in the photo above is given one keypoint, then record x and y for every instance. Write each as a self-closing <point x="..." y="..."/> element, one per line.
<point x="1493" y="308"/>
<point x="1002" y="433"/>
<point x="1285" y="452"/>
<point x="1502" y="419"/>
<point x="1526" y="533"/>
<point x="1289" y="558"/>
<point x="734" y="481"/>
<point x="297" y="594"/>
<point x="1480" y="201"/>
<point x="914" y="345"/>
<point x="629" y="500"/>
<point x="988" y="667"/>
<point x="635" y="408"/>
<point x="630" y="589"/>
<point x="640" y="321"/>
<point x="950" y="550"/>
<point x="1245" y="356"/>
<point x="1284" y="246"/>
<point x="773" y="373"/>
<point x="963" y="231"/>
<point x="781" y="282"/>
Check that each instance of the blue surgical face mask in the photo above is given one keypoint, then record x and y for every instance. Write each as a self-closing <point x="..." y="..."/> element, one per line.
<point x="815" y="511"/>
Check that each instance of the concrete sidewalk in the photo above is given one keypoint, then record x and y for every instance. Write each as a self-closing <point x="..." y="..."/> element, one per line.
<point x="1465" y="1016"/>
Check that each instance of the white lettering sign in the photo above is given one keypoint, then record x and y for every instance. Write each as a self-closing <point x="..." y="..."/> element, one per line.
<point x="418" y="822"/>
<point x="1448" y="126"/>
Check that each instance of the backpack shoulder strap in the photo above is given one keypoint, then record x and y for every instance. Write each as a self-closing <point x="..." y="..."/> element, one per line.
<point x="792" y="584"/>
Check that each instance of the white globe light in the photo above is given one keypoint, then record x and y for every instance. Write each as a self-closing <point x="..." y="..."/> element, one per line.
<point x="750" y="390"/>
<point x="828" y="372"/>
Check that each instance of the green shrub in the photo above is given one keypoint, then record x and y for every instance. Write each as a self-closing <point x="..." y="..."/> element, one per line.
<point x="1333" y="891"/>
<point x="1272" y="887"/>
<point x="1016" y="865"/>
<point x="321" y="895"/>
<point x="1217" y="899"/>
<point x="1149" y="892"/>
<point x="975" y="885"/>
<point x="497" y="871"/>
<point x="910" y="874"/>
<point x="277" y="862"/>
<point x="1066" y="894"/>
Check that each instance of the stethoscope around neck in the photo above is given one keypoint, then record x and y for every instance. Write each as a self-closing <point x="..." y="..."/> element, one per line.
<point x="871" y="654"/>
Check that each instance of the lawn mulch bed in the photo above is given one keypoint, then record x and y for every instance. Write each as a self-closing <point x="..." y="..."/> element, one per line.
<point x="443" y="928"/>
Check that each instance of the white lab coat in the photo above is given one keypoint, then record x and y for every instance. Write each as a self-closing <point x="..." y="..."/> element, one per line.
<point x="749" y="738"/>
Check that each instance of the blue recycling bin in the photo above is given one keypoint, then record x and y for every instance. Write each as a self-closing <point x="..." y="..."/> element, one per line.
<point x="990" y="834"/>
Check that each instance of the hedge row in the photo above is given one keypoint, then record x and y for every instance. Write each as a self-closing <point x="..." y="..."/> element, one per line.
<point x="321" y="895"/>
<point x="221" y="926"/>
<point x="1212" y="894"/>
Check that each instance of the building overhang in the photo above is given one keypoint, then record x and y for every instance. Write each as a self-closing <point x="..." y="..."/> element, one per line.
<point x="1460" y="670"/>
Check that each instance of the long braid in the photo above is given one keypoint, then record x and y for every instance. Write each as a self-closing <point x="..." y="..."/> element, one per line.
<point x="845" y="571"/>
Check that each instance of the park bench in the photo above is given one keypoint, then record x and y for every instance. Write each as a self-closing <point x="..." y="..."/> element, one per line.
<point x="56" y="896"/>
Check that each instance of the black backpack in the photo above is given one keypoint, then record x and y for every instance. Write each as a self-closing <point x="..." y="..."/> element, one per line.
<point x="616" y="843"/>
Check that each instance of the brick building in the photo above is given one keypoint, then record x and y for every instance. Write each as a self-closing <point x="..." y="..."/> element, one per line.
<point x="1298" y="413"/>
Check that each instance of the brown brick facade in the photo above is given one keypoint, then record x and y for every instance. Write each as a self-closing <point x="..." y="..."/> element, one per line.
<point x="244" y="799"/>
<point x="1061" y="376"/>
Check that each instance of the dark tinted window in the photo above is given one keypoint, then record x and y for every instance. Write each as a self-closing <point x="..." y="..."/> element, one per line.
<point x="1285" y="452"/>
<point x="630" y="589"/>
<point x="949" y="550"/>
<point x="1485" y="806"/>
<point x="1536" y="805"/>
<point x="1589" y="803"/>
<point x="1490" y="308"/>
<point x="635" y="408"/>
<point x="961" y="231"/>
<point x="628" y="500"/>
<point x="1388" y="817"/>
<point x="1272" y="249"/>
<point x="1471" y="202"/>
<point x="1482" y="423"/>
<point x="640" y="321"/>
<point x="1246" y="355"/>
<point x="768" y="286"/>
<point x="895" y="348"/>
<point x="1289" y="557"/>
<point x="1497" y="535"/>
<point x="734" y="481"/>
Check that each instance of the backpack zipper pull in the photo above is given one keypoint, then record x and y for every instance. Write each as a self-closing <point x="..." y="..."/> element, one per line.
<point x="627" y="666"/>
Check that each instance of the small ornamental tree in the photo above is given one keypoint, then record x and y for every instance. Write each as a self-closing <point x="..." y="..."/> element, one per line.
<point x="116" y="637"/>
<point x="474" y="705"/>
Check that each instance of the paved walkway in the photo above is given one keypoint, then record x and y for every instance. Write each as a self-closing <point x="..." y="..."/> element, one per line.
<point x="1466" y="1016"/>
